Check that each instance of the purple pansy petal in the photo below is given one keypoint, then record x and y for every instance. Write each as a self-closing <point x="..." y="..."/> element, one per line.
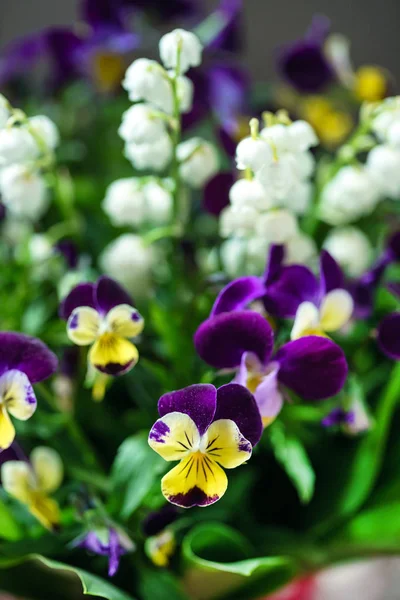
<point x="102" y="12"/>
<point x="304" y="65"/>
<point x="26" y="354"/>
<point x="236" y="403"/>
<point x="81" y="295"/>
<point x="268" y="397"/>
<point x="228" y="89"/>
<point x="363" y="298"/>
<point x="168" y="9"/>
<point x="216" y="193"/>
<point x="226" y="136"/>
<point x="331" y="274"/>
<point x="313" y="367"/>
<point x="274" y="263"/>
<point x="69" y="251"/>
<point x="389" y="335"/>
<point x="338" y="416"/>
<point x="108" y="293"/>
<point x="91" y="543"/>
<point x="158" y="520"/>
<point x="238" y="294"/>
<point x="393" y="246"/>
<point x="394" y="288"/>
<point x="228" y="35"/>
<point x="222" y="340"/>
<point x="115" y="551"/>
<point x="198" y="401"/>
<point x="296" y="284"/>
<point x="63" y="47"/>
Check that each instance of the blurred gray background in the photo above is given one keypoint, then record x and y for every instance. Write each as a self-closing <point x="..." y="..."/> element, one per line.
<point x="372" y="25"/>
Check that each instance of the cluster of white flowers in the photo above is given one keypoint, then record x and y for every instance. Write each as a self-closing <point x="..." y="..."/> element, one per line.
<point x="356" y="190"/>
<point x="351" y="248"/>
<point x="263" y="206"/>
<point x="162" y="94"/>
<point x="134" y="201"/>
<point x="23" y="141"/>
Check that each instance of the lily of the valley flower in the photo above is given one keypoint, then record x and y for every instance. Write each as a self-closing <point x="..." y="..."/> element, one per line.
<point x="330" y="308"/>
<point x="101" y="315"/>
<point x="204" y="429"/>
<point x="313" y="367"/>
<point x="32" y="482"/>
<point x="107" y="541"/>
<point x="23" y="361"/>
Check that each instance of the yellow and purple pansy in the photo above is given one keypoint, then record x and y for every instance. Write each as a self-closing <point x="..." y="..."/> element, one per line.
<point x="312" y="367"/>
<point x="32" y="482"/>
<point x="101" y="315"/>
<point x="204" y="429"/>
<point x="23" y="361"/>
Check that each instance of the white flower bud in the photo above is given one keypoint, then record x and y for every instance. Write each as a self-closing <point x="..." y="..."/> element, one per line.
<point x="299" y="198"/>
<point x="40" y="249"/>
<point x="383" y="165"/>
<point x="185" y="91"/>
<point x="146" y="80"/>
<point x="245" y="192"/>
<point x="239" y="221"/>
<point x="300" y="250"/>
<point x="276" y="226"/>
<point x="151" y="156"/>
<point x="4" y="111"/>
<point x="17" y="146"/>
<point x="180" y="47"/>
<point x="198" y="161"/>
<point x="302" y="135"/>
<point x="279" y="177"/>
<point x="130" y="262"/>
<point x="394" y="135"/>
<point x="140" y="125"/>
<point x="23" y="192"/>
<point x="351" y="248"/>
<point x="253" y="154"/>
<point x="159" y="203"/>
<point x="46" y="129"/>
<point x="305" y="164"/>
<point x="125" y="202"/>
<point x="233" y="256"/>
<point x="277" y="136"/>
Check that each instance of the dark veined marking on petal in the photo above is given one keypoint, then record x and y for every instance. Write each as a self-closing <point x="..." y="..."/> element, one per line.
<point x="204" y="470"/>
<point x="188" y="441"/>
<point x="190" y="468"/>
<point x="183" y="446"/>
<point x="208" y="463"/>
<point x="186" y="465"/>
<point x="212" y="442"/>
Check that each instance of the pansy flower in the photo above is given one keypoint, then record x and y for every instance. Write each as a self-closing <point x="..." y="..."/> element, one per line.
<point x="312" y="367"/>
<point x="107" y="541"/>
<point x="204" y="429"/>
<point x="329" y="308"/>
<point x="160" y="548"/>
<point x="389" y="329"/>
<point x="101" y="315"/>
<point x="32" y="482"/>
<point x="23" y="361"/>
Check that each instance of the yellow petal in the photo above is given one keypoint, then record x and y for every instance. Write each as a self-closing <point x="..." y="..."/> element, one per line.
<point x="125" y="321"/>
<point x="46" y="510"/>
<point x="174" y="436"/>
<point x="18" y="479"/>
<point x="336" y="310"/>
<point x="83" y="325"/>
<point x="113" y="354"/>
<point x="17" y="394"/>
<point x="306" y="320"/>
<point x="196" y="481"/>
<point x="160" y="548"/>
<point x="7" y="431"/>
<point x="226" y="445"/>
<point x="48" y="468"/>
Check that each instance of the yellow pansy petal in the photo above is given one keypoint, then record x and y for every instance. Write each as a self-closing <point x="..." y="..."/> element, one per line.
<point x="17" y="394"/>
<point x="83" y="325"/>
<point x="196" y="481"/>
<point x="160" y="548"/>
<point x="336" y="310"/>
<point x="46" y="510"/>
<point x="17" y="479"/>
<point x="113" y="355"/>
<point x="174" y="436"/>
<point x="7" y="431"/>
<point x="48" y="468"/>
<point x="125" y="321"/>
<point x="226" y="445"/>
<point x="307" y="319"/>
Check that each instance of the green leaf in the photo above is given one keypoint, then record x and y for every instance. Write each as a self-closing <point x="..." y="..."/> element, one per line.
<point x="37" y="577"/>
<point x="218" y="564"/>
<point x="159" y="585"/>
<point x="290" y="452"/>
<point x="134" y="471"/>
<point x="9" y="528"/>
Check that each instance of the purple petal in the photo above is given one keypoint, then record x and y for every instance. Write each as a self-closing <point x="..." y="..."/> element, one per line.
<point x="304" y="66"/>
<point x="238" y="294"/>
<point x="102" y="12"/>
<point x="158" y="520"/>
<point x="69" y="251"/>
<point x="331" y="274"/>
<point x="81" y="295"/>
<point x="394" y="288"/>
<point x="216" y="193"/>
<point x="222" y="340"/>
<point x="226" y="136"/>
<point x="313" y="367"/>
<point x="235" y="402"/>
<point x="199" y="401"/>
<point x="92" y="543"/>
<point x="228" y="88"/>
<point x="268" y="397"/>
<point x="363" y="298"/>
<point x="168" y="9"/>
<point x="393" y="246"/>
<point x="63" y="47"/>
<point x="114" y="553"/>
<point x="228" y="36"/>
<point x="108" y="293"/>
<point x="296" y="284"/>
<point x="389" y="335"/>
<point x="26" y="354"/>
<point x="274" y="263"/>
<point x="338" y="416"/>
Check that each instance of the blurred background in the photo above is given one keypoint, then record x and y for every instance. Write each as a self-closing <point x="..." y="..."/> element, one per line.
<point x="372" y="26"/>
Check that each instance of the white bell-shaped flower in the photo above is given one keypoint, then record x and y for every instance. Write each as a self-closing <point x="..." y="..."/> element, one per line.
<point x="383" y="165"/>
<point x="351" y="248"/>
<point x="46" y="130"/>
<point x="182" y="49"/>
<point x="125" y="202"/>
<point x="198" y="161"/>
<point x="141" y="125"/>
<point x="146" y="80"/>
<point x="24" y="192"/>
<point x="154" y="157"/>
<point x="250" y="192"/>
<point x="253" y="154"/>
<point x="17" y="146"/>
<point x="277" y="226"/>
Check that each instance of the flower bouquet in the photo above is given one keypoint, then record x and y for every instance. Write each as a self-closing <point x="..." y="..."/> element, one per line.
<point x="199" y="310"/>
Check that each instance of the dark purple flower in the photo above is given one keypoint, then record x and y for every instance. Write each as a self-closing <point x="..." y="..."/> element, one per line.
<point x="205" y="429"/>
<point x="313" y="367"/>
<point x="216" y="193"/>
<point x="303" y="63"/>
<point x="167" y="10"/>
<point x="226" y="34"/>
<point x="69" y="251"/>
<point x="338" y="416"/>
<point x="107" y="542"/>
<point x="389" y="329"/>
<point x="157" y="521"/>
<point x="103" y="295"/>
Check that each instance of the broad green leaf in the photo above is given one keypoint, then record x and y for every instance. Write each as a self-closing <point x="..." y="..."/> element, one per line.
<point x="159" y="585"/>
<point x="377" y="529"/>
<point x="9" y="528"/>
<point x="290" y="452"/>
<point x="218" y="564"/>
<point x="134" y="471"/>
<point x="37" y="577"/>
